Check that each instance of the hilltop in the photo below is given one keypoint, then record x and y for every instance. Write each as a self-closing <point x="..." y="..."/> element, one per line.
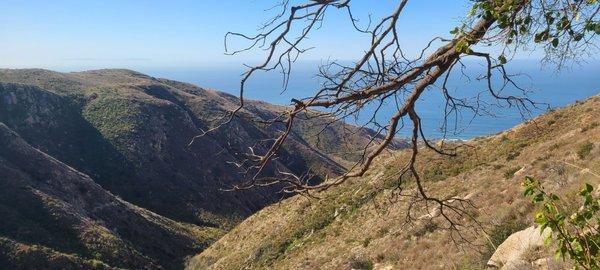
<point x="363" y="224"/>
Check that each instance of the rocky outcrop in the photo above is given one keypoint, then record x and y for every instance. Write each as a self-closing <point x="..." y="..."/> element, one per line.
<point x="522" y="251"/>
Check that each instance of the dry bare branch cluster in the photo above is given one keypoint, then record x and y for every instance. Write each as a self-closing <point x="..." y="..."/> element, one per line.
<point x="385" y="77"/>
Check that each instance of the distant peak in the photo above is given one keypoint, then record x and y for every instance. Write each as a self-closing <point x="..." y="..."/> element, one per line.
<point x="113" y="71"/>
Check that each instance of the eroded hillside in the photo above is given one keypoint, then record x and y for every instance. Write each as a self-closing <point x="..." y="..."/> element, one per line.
<point x="363" y="223"/>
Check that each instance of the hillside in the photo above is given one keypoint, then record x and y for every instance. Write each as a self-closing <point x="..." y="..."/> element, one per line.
<point x="363" y="224"/>
<point x="56" y="216"/>
<point x="96" y="168"/>
<point x="130" y="131"/>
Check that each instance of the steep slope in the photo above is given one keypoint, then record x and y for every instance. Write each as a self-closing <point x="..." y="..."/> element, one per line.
<point x="55" y="217"/>
<point x="130" y="133"/>
<point x="72" y="140"/>
<point x="363" y="224"/>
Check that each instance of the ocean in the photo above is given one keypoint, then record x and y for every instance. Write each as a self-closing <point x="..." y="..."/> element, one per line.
<point x="551" y="88"/>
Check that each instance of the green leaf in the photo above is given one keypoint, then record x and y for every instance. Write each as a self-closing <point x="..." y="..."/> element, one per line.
<point x="538" y="198"/>
<point x="502" y="59"/>
<point x="555" y="42"/>
<point x="589" y="187"/>
<point x="548" y="239"/>
<point x="462" y="47"/>
<point x="540" y="218"/>
<point x="557" y="254"/>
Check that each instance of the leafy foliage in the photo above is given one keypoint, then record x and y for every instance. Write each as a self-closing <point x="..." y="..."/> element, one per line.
<point x="555" y="25"/>
<point x="576" y="234"/>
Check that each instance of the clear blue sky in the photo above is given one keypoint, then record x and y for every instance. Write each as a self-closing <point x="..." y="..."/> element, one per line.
<point x="77" y="34"/>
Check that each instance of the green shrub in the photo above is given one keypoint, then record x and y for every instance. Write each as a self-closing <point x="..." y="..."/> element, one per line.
<point x="513" y="155"/>
<point x="500" y="232"/>
<point x="584" y="150"/>
<point x="96" y="264"/>
<point x="576" y="230"/>
<point x="362" y="264"/>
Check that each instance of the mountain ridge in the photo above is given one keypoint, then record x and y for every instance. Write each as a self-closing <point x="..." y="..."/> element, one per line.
<point x="123" y="136"/>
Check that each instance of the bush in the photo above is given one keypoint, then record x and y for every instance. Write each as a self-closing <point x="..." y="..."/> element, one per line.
<point x="589" y="127"/>
<point x="361" y="264"/>
<point x="499" y="233"/>
<point x="96" y="264"/>
<point x="512" y="155"/>
<point x="584" y="150"/>
<point x="511" y="172"/>
<point x="576" y="232"/>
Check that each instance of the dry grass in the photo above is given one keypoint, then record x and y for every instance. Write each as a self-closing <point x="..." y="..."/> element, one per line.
<point x="363" y="223"/>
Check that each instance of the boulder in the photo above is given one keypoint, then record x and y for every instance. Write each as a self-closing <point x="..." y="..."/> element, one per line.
<point x="518" y="264"/>
<point x="549" y="264"/>
<point x="510" y="253"/>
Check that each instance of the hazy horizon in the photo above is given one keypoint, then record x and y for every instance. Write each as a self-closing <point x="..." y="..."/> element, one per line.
<point x="69" y="35"/>
<point x="557" y="89"/>
<point x="184" y="40"/>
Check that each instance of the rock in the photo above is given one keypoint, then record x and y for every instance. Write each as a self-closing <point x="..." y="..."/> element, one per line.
<point x="511" y="251"/>
<point x="379" y="266"/>
<point x="521" y="172"/>
<point x="517" y="265"/>
<point x="549" y="264"/>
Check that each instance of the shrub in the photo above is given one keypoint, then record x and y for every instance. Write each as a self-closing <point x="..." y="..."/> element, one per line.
<point x="362" y="264"/>
<point x="576" y="231"/>
<point x="555" y="146"/>
<point x="511" y="172"/>
<point x="589" y="127"/>
<point x="96" y="264"/>
<point x="513" y="155"/>
<point x="584" y="150"/>
<point x="500" y="232"/>
<point x="366" y="242"/>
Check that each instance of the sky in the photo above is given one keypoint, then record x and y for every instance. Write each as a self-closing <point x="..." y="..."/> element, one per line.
<point x="75" y="34"/>
<point x="183" y="40"/>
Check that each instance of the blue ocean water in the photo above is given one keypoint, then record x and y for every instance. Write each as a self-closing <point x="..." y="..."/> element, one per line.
<point x="547" y="85"/>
